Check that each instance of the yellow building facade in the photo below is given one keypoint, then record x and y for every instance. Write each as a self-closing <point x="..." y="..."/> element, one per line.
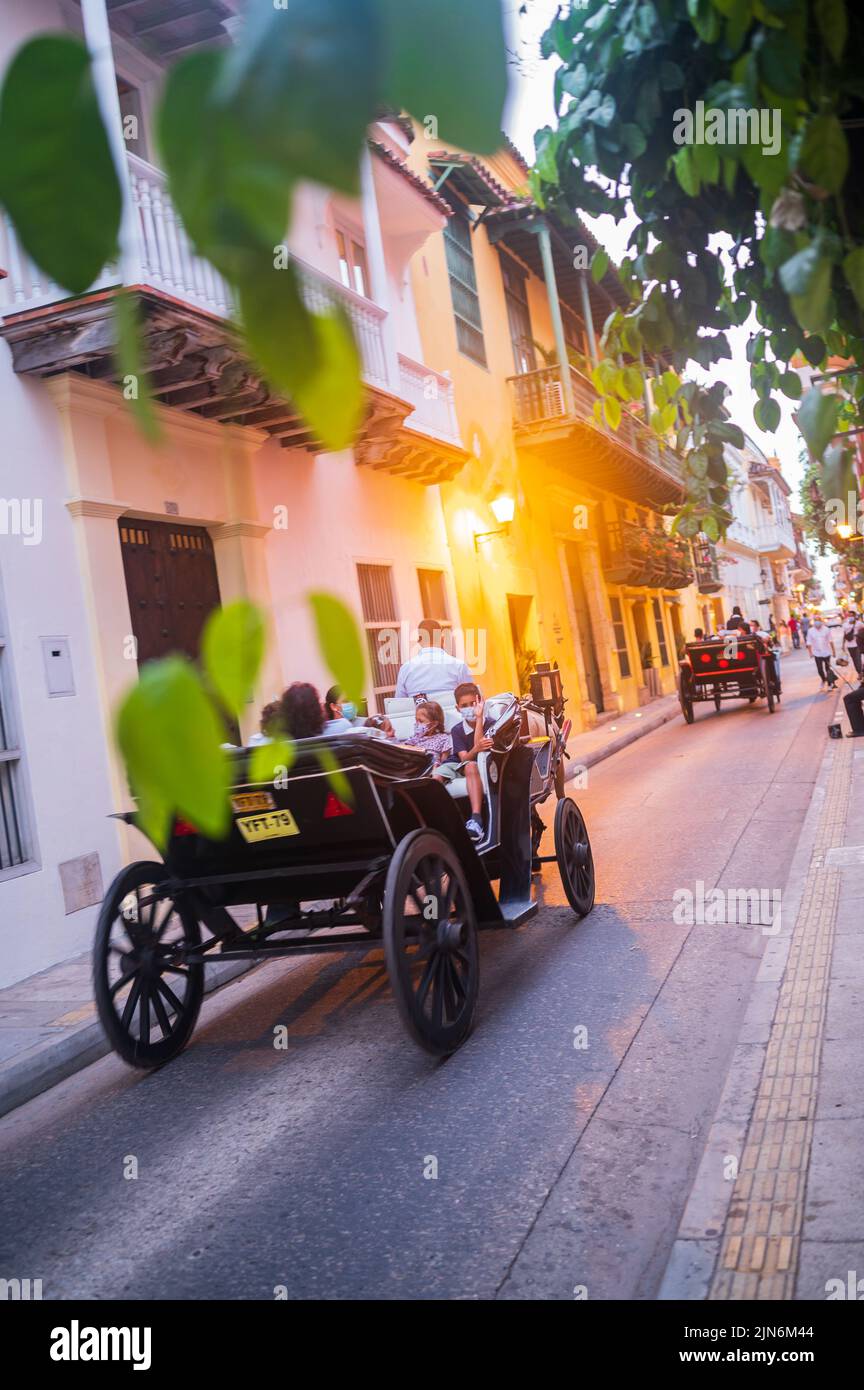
<point x="586" y="574"/>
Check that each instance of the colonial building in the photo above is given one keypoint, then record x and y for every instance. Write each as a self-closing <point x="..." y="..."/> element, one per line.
<point x="585" y="573"/>
<point x="135" y="544"/>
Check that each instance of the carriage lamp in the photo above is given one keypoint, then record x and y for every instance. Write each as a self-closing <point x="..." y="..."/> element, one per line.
<point x="844" y="530"/>
<point x="503" y="509"/>
<point x="545" y="682"/>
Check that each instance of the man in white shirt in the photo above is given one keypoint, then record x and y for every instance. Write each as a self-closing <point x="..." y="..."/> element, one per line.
<point x="432" y="669"/>
<point x="820" y="645"/>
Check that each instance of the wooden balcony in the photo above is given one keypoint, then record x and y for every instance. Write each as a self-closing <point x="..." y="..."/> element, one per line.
<point x="637" y="556"/>
<point x="707" y="567"/>
<point x="629" y="461"/>
<point x="195" y="358"/>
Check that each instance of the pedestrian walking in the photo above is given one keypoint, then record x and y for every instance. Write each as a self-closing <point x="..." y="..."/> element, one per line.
<point x="850" y="639"/>
<point x="805" y="625"/>
<point x="820" y="645"/>
<point x="795" y="631"/>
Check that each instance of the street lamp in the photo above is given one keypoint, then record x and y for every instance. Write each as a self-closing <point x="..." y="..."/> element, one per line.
<point x="503" y="509"/>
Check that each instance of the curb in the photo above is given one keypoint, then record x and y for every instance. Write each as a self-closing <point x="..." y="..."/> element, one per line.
<point x="54" y="1058"/>
<point x="597" y="755"/>
<point x="693" y="1257"/>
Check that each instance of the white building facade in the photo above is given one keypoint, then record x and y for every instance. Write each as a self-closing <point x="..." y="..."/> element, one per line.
<point x="135" y="544"/>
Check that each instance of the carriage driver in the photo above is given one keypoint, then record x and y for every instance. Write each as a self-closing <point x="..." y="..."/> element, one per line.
<point x="469" y="741"/>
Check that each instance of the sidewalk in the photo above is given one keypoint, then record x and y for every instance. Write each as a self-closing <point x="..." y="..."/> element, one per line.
<point x="48" y="1023"/>
<point x="777" y="1207"/>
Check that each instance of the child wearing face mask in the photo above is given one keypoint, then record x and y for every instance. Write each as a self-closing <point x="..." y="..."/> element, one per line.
<point x="429" y="733"/>
<point x="469" y="739"/>
<point x="339" y="714"/>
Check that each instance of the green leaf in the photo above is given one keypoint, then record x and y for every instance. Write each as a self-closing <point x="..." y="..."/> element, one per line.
<point x="726" y="431"/>
<point x="57" y="176"/>
<point x="303" y="79"/>
<point x="599" y="265"/>
<point x="806" y="278"/>
<point x="814" y="350"/>
<point x="267" y="761"/>
<point x="710" y="527"/>
<point x="457" y="73"/>
<point x="335" y="775"/>
<point x="134" y="377"/>
<point x="340" y="642"/>
<point x="831" y="19"/>
<point x="169" y="734"/>
<point x="686" y="171"/>
<point x="311" y="358"/>
<point x="611" y="412"/>
<point x="790" y="385"/>
<point x="232" y="647"/>
<point x="633" y="382"/>
<point x="825" y="153"/>
<point x="233" y="198"/>
<point x="780" y="62"/>
<point x="817" y="419"/>
<point x="853" y="269"/>
<point x="767" y="415"/>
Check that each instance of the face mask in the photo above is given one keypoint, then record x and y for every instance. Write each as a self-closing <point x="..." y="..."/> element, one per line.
<point x="469" y="715"/>
<point x="420" y="728"/>
<point x="349" y="711"/>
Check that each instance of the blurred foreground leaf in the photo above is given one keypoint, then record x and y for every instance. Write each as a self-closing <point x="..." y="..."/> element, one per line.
<point x="232" y="649"/>
<point x="340" y="642"/>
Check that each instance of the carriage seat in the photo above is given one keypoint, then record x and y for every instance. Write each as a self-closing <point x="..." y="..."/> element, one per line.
<point x="401" y="712"/>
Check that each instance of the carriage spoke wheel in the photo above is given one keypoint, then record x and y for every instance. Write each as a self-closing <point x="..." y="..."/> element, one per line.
<point x="430" y="942"/>
<point x="147" y="994"/>
<point x="575" y="860"/>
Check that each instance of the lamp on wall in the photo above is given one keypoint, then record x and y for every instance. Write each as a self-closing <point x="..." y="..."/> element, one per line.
<point x="503" y="509"/>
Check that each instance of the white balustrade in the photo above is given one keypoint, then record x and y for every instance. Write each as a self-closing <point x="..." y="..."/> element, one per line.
<point x="320" y="293"/>
<point x="431" y="394"/>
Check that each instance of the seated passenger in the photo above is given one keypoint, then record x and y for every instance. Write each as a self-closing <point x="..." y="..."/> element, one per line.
<point x="469" y="739"/>
<point x="339" y="714"/>
<point x="300" y="711"/>
<point x="382" y="724"/>
<point x="429" y="732"/>
<point x="269" y="725"/>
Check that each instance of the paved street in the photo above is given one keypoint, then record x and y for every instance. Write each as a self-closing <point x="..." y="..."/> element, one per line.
<point x="558" y="1166"/>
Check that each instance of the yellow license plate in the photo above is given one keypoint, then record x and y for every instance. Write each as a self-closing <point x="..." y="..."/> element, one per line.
<point x="254" y="801"/>
<point x="270" y="825"/>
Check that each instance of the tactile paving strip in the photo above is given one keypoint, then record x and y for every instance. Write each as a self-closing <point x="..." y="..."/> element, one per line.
<point x="759" y="1251"/>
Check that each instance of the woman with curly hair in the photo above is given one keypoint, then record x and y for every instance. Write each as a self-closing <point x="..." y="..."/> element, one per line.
<point x="301" y="712"/>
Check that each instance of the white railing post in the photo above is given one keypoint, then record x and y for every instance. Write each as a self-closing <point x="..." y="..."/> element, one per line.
<point x="378" y="265"/>
<point x="98" y="37"/>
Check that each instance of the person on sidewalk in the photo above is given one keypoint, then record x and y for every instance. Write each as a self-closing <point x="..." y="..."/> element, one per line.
<point x="850" y="638"/>
<point x="794" y="630"/>
<point x="820" y="645"/>
<point x="854" y="702"/>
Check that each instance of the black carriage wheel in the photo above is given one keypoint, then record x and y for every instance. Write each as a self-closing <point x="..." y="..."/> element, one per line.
<point x="147" y="995"/>
<point x="430" y="942"/>
<point x="685" y="694"/>
<point x="575" y="860"/>
<point x="559" y="777"/>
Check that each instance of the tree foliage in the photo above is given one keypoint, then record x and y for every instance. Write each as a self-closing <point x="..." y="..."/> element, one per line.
<point x="726" y="230"/>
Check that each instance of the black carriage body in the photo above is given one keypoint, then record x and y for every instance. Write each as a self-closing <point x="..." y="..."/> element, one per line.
<point x="336" y="841"/>
<point x="732" y="665"/>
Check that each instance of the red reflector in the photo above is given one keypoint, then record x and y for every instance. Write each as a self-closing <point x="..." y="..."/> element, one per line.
<point x="742" y="656"/>
<point x="722" y="661"/>
<point x="182" y="827"/>
<point x="706" y="656"/>
<point x="334" y="807"/>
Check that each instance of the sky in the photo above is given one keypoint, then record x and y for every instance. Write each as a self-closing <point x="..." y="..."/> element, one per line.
<point x="530" y="107"/>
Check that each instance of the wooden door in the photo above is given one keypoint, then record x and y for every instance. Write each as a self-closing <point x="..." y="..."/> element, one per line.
<point x="171" y="584"/>
<point x="585" y="628"/>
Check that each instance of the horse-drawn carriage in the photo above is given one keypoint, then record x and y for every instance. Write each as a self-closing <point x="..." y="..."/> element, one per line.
<point x="730" y="667"/>
<point x="385" y="860"/>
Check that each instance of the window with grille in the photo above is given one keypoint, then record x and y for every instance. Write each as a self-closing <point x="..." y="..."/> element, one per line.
<point x="620" y="636"/>
<point x="661" y="635"/>
<point x="14" y="849"/>
<point x="463" y="289"/>
<point x="433" y="595"/>
<point x="378" y="604"/>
